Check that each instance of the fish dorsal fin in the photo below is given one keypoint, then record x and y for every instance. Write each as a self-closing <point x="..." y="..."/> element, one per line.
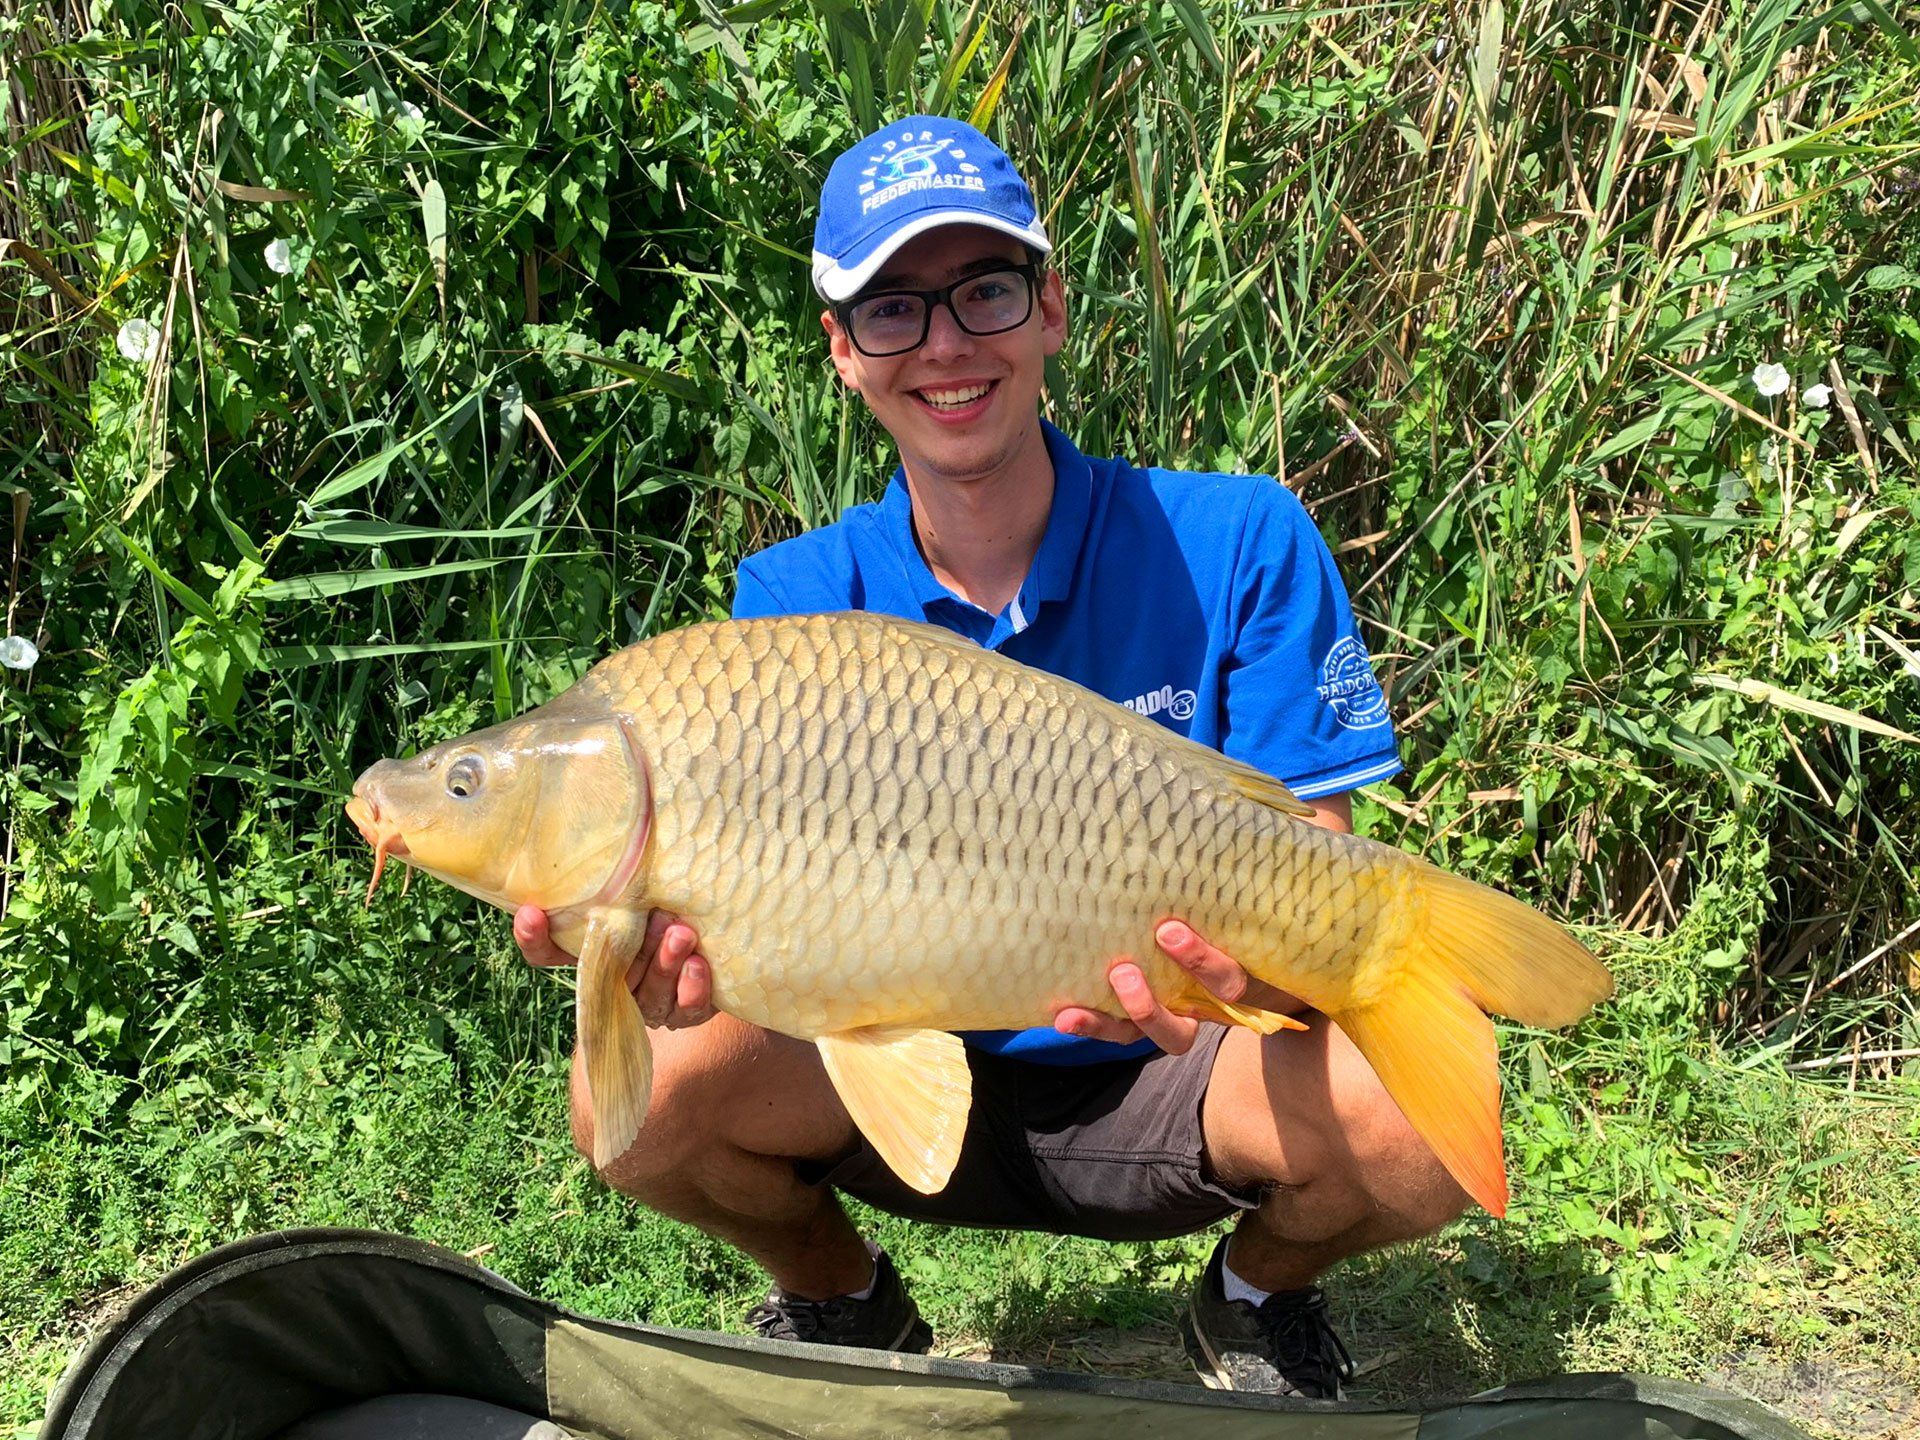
<point x="909" y="1092"/>
<point x="1244" y="779"/>
<point x="1234" y="775"/>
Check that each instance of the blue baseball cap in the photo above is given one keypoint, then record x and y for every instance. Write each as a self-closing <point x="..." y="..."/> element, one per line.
<point x="906" y="178"/>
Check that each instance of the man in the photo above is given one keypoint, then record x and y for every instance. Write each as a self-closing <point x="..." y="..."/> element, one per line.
<point x="1207" y="601"/>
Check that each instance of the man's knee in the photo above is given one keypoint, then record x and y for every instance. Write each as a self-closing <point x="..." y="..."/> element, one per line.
<point x="1307" y="1111"/>
<point x="690" y="1081"/>
<point x="720" y="1087"/>
<point x="1380" y="1149"/>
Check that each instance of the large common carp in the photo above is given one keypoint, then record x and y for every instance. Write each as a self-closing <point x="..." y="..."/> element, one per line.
<point x="884" y="833"/>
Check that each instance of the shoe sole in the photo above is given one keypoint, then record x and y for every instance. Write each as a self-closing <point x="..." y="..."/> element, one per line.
<point x="1206" y="1364"/>
<point x="1200" y="1355"/>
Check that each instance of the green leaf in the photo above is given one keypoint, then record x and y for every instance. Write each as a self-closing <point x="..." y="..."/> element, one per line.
<point x="293" y="657"/>
<point x="433" y="215"/>
<point x="194" y="603"/>
<point x="346" y="582"/>
<point x="386" y="532"/>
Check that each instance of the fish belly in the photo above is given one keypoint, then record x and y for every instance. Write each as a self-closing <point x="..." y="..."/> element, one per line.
<point x="875" y="824"/>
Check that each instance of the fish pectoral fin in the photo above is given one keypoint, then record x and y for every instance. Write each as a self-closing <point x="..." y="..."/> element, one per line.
<point x="1198" y="1003"/>
<point x="909" y="1092"/>
<point x="611" y="1035"/>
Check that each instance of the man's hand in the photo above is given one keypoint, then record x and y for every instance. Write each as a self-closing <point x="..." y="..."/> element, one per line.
<point x="1148" y="1017"/>
<point x="669" y="978"/>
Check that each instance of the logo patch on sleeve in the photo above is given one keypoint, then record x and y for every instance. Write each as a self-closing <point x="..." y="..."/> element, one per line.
<point x="1348" y="686"/>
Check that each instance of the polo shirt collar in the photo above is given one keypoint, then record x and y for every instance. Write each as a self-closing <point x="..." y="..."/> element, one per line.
<point x="1051" y="575"/>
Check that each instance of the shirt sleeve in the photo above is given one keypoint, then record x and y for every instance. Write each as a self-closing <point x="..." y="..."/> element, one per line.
<point x="753" y="598"/>
<point x="1301" y="699"/>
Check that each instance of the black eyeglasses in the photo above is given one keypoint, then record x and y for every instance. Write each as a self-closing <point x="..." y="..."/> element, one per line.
<point x="893" y="322"/>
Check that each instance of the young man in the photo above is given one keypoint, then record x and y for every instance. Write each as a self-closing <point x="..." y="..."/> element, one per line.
<point x="1209" y="602"/>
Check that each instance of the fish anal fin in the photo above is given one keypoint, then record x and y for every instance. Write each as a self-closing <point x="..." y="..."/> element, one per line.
<point x="611" y="1034"/>
<point x="909" y="1092"/>
<point x="1198" y="1003"/>
<point x="1435" y="1053"/>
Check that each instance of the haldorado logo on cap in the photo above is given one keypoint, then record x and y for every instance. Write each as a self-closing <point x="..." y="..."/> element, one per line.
<point x="909" y="163"/>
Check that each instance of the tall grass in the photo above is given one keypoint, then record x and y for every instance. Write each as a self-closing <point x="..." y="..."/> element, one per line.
<point x="485" y="343"/>
<point x="444" y="405"/>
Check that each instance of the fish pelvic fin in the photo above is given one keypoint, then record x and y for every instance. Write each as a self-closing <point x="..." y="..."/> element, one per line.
<point x="909" y="1092"/>
<point x="611" y="1035"/>
<point x="1425" y="1030"/>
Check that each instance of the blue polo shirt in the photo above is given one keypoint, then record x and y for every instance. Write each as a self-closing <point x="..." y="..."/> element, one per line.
<point x="1209" y="602"/>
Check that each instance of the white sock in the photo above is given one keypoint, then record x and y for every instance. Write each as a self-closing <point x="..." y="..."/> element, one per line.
<point x="1238" y="1289"/>
<point x="867" y="1294"/>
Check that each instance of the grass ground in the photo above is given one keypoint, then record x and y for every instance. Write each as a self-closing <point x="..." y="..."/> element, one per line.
<point x="1701" y="1220"/>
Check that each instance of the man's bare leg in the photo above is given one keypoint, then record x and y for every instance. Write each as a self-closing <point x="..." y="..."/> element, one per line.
<point x="733" y="1107"/>
<point x="1306" y="1116"/>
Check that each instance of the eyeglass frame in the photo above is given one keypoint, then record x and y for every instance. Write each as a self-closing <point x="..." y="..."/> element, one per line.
<point x="1028" y="270"/>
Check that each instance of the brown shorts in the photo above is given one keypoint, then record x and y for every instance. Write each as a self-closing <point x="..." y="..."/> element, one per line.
<point x="1110" y="1151"/>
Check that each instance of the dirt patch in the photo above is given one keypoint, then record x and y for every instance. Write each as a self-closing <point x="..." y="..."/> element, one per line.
<point x="1860" y="1402"/>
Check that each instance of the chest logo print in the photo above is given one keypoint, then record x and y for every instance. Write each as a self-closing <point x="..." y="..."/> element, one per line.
<point x="1178" y="704"/>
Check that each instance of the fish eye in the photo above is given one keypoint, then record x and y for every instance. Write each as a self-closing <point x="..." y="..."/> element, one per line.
<point x="464" y="776"/>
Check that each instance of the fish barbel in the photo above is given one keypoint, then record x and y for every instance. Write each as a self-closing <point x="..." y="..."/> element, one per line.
<point x="884" y="833"/>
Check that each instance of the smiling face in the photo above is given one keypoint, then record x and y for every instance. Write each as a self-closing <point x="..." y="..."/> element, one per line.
<point x="961" y="407"/>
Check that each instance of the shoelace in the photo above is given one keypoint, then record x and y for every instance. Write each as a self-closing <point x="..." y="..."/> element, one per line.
<point x="1302" y="1336"/>
<point x="794" y="1319"/>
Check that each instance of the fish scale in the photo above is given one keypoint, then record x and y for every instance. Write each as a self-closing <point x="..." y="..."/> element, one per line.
<point x="883" y="834"/>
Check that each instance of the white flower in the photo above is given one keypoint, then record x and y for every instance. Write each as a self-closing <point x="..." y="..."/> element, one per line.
<point x="1817" y="396"/>
<point x="1770" y="379"/>
<point x="18" y="653"/>
<point x="280" y="257"/>
<point x="139" y="341"/>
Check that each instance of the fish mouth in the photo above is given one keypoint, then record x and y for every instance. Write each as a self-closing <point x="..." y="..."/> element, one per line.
<point x="385" y="838"/>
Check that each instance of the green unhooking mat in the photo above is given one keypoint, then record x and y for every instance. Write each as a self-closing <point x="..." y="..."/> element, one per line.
<point x="351" y="1335"/>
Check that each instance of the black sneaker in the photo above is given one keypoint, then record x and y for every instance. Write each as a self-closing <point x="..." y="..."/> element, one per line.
<point x="886" y="1320"/>
<point x="1284" y="1346"/>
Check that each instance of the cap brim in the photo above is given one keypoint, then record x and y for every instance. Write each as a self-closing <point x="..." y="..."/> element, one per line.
<point x="836" y="282"/>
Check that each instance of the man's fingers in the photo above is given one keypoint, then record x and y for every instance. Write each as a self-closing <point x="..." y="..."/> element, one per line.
<point x="695" y="995"/>
<point x="1092" y="1025"/>
<point x="658" y="923"/>
<point x="531" y="934"/>
<point x="1172" y="1033"/>
<point x="660" y="981"/>
<point x="1219" y="972"/>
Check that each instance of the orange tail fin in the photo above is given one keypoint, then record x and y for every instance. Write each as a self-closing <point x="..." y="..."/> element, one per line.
<point x="1427" y="1036"/>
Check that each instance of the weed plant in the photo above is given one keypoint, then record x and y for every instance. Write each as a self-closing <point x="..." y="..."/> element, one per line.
<point x="370" y="370"/>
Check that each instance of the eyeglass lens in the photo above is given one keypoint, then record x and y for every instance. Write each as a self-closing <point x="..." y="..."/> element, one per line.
<point x="986" y="304"/>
